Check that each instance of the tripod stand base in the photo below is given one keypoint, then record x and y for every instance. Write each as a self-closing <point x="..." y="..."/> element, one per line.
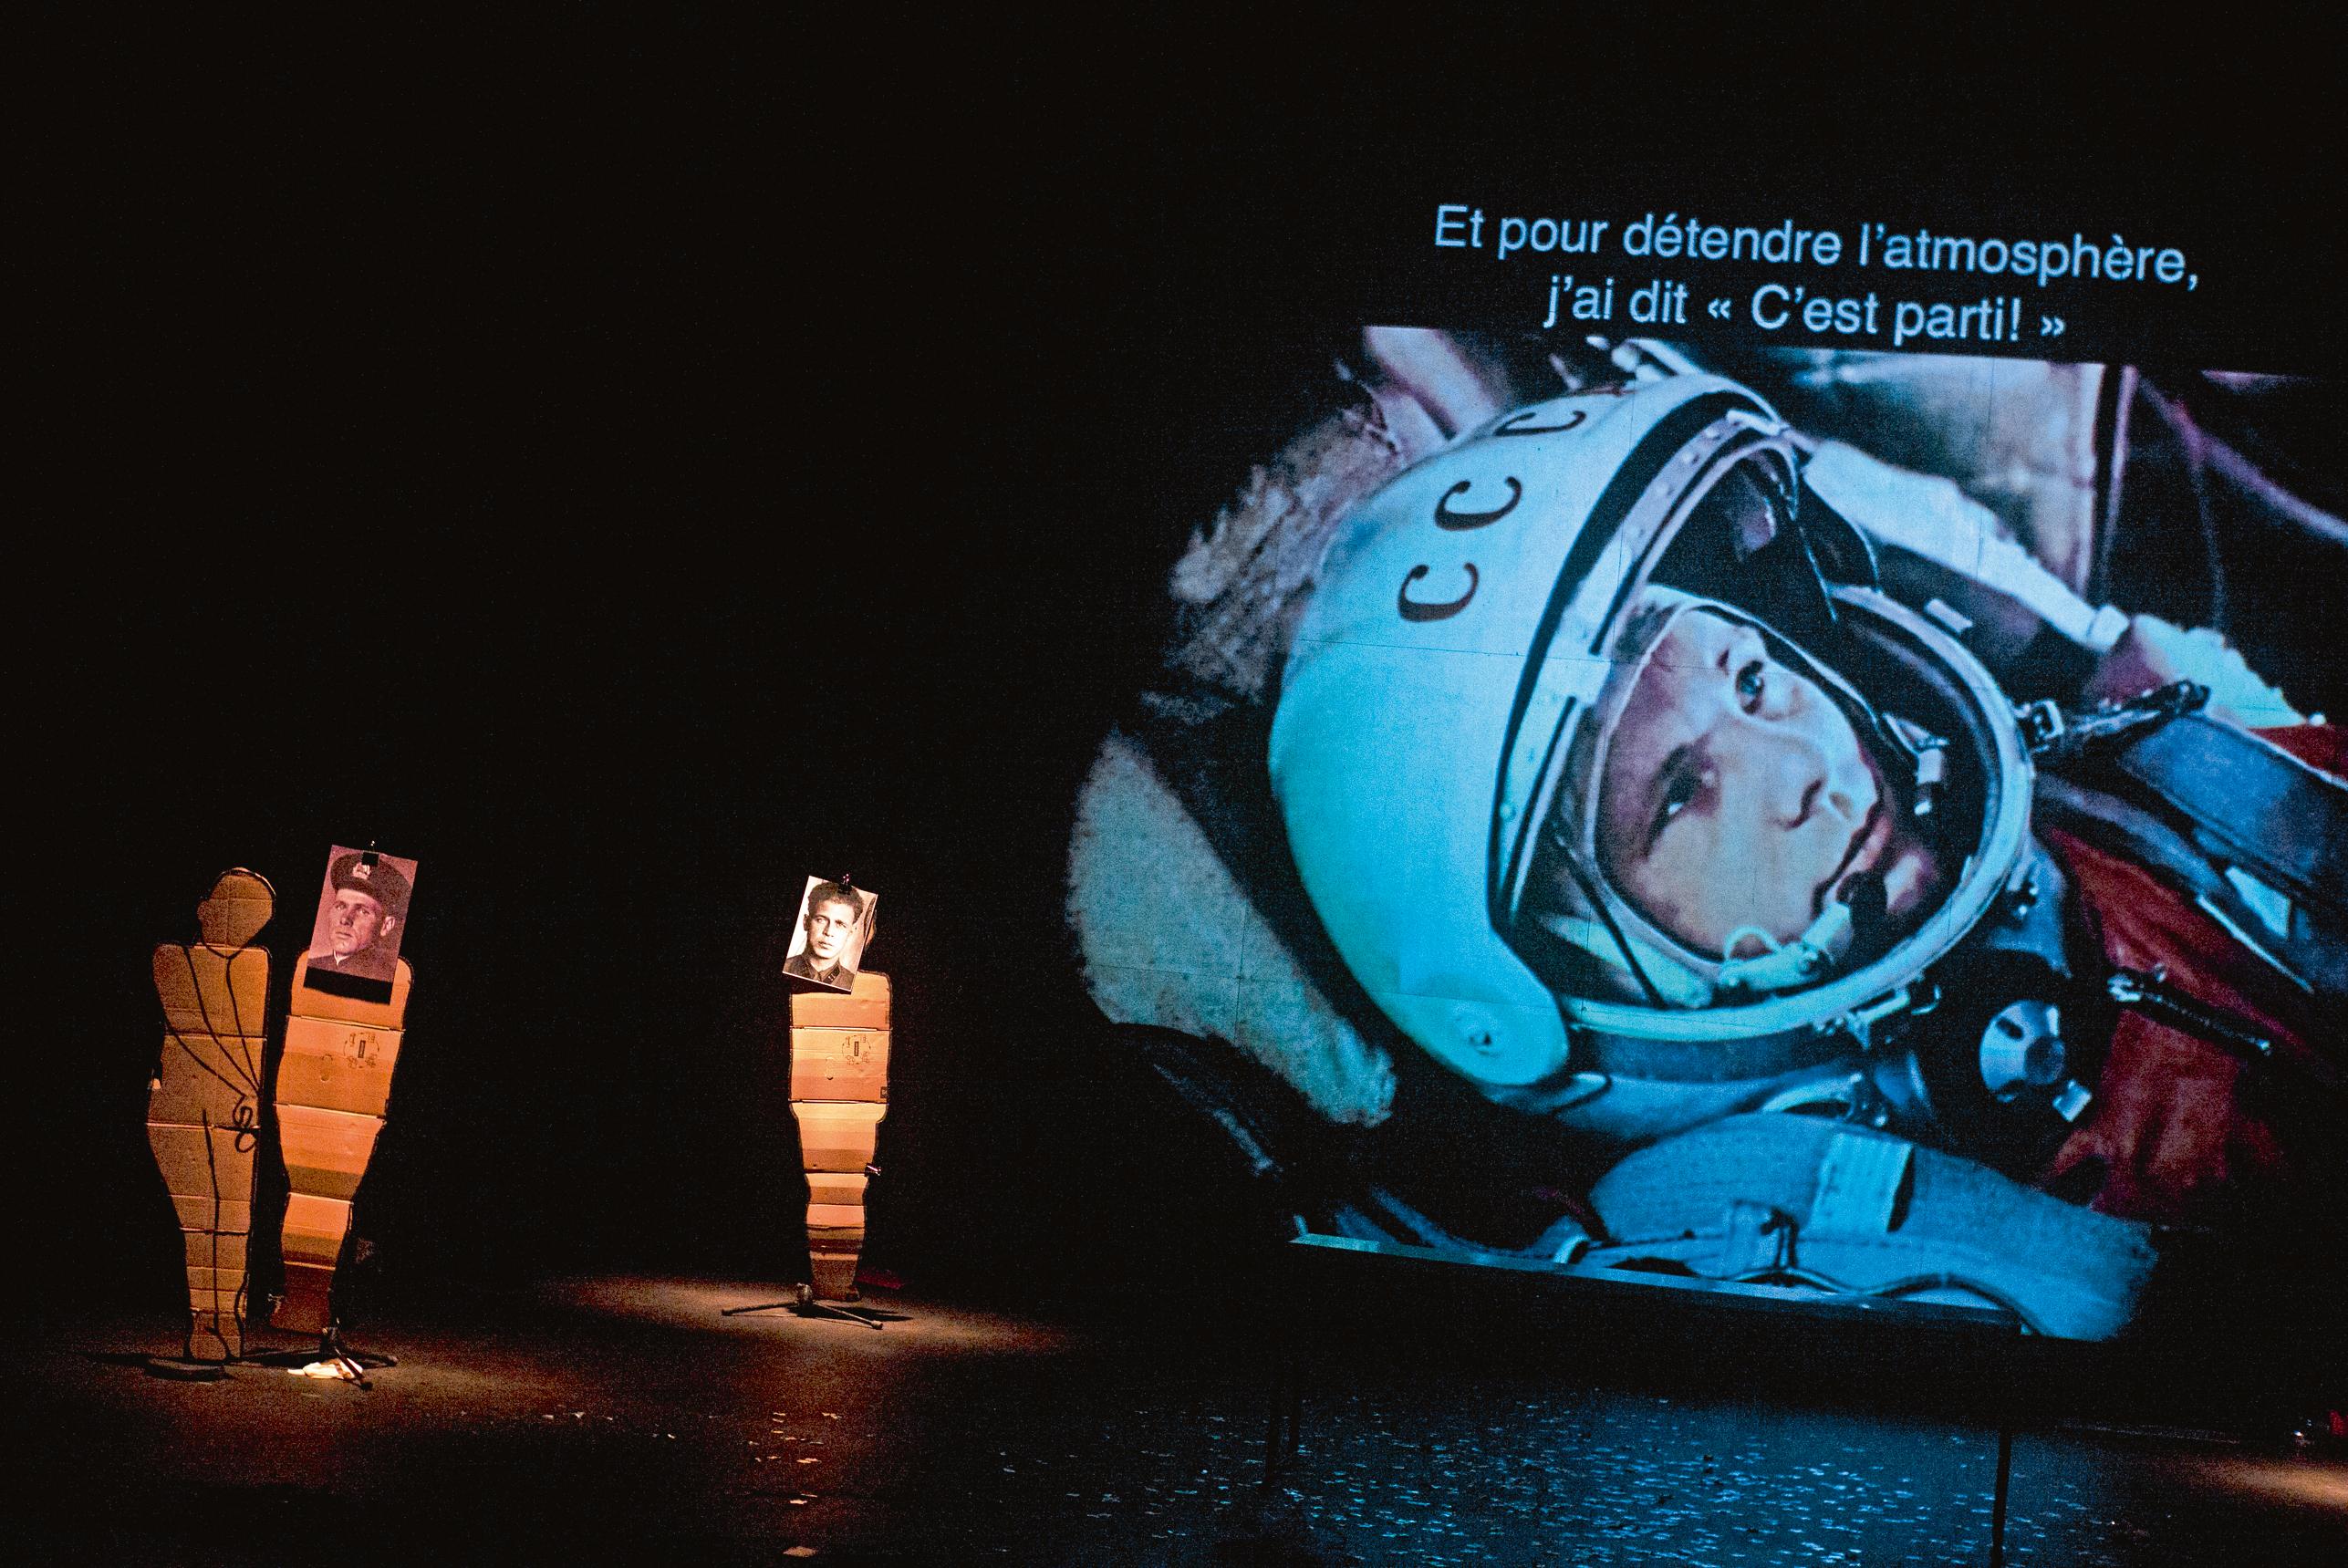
<point x="801" y="1302"/>
<point x="332" y="1358"/>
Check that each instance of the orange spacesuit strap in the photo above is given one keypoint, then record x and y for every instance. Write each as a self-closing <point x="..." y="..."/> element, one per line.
<point x="2158" y="1076"/>
<point x="2139" y="922"/>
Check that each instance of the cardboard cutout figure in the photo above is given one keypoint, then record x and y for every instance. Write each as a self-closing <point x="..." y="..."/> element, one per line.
<point x="835" y="926"/>
<point x="839" y="1092"/>
<point x="203" y="1102"/>
<point x="334" y="1084"/>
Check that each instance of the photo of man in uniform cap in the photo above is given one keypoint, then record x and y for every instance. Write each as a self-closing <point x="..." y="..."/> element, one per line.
<point x="360" y="916"/>
<point x="834" y="922"/>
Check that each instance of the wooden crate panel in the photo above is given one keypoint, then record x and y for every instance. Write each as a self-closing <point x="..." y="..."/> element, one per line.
<point x="835" y="1274"/>
<point x="839" y="1064"/>
<point x="223" y="1251"/>
<point x="314" y="1228"/>
<point x="835" y="1136"/>
<point x="207" y="1276"/>
<point x="338" y="1066"/>
<point x="392" y="1014"/>
<point x="837" y="1186"/>
<point x="326" y="1152"/>
<point x="225" y="1215"/>
<point x="203" y="1162"/>
<point x="306" y="1306"/>
<point x="866" y="1007"/>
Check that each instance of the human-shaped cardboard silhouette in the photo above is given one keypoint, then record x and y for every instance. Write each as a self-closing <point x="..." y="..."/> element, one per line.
<point x="839" y="1093"/>
<point x="203" y="1103"/>
<point x="334" y="1086"/>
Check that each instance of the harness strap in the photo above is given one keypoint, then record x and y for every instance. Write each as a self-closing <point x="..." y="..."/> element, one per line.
<point x="2307" y="957"/>
<point x="2252" y="804"/>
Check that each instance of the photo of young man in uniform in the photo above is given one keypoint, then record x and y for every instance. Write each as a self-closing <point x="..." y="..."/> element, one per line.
<point x="362" y="911"/>
<point x="835" y="922"/>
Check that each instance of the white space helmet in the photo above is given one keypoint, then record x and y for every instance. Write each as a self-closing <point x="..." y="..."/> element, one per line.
<point x="1452" y="680"/>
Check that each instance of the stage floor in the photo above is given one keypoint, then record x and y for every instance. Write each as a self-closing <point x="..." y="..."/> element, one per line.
<point x="624" y="1419"/>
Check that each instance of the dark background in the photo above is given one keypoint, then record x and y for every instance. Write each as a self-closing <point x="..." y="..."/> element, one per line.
<point x="627" y="500"/>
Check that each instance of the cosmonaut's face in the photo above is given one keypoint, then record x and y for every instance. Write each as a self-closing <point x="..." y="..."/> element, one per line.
<point x="830" y="926"/>
<point x="354" y="923"/>
<point x="1736" y="793"/>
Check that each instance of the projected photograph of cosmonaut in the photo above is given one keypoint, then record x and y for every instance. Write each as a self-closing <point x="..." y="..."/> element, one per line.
<point x="1857" y="825"/>
<point x="828" y="942"/>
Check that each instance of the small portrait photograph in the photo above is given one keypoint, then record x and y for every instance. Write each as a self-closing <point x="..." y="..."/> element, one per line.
<point x="835" y="923"/>
<point x="362" y="914"/>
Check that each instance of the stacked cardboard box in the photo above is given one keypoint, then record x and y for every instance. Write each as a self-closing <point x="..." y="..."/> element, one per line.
<point x="334" y="1088"/>
<point x="203" y="1119"/>
<point x="839" y="1092"/>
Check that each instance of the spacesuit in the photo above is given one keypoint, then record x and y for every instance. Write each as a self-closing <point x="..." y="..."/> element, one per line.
<point x="1854" y="1104"/>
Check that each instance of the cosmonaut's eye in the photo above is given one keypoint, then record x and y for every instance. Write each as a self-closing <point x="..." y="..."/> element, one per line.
<point x="1684" y="782"/>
